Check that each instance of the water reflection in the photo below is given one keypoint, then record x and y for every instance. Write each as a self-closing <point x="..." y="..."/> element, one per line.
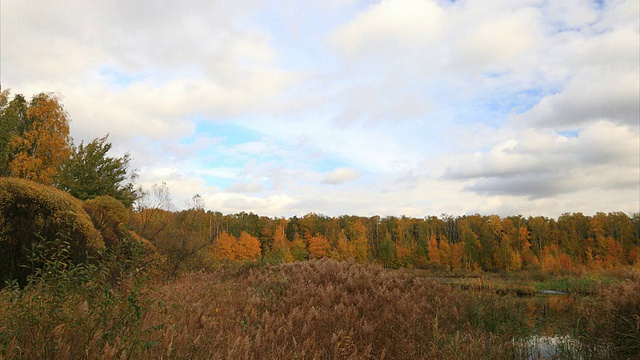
<point x="548" y="347"/>
<point x="552" y="316"/>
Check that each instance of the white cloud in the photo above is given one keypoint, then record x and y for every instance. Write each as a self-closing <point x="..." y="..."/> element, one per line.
<point x="593" y="94"/>
<point x="543" y="164"/>
<point x="341" y="175"/>
<point x="388" y="25"/>
<point x="432" y="106"/>
<point x="495" y="42"/>
<point x="246" y="187"/>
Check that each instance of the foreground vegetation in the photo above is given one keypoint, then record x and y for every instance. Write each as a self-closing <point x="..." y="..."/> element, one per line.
<point x="320" y="309"/>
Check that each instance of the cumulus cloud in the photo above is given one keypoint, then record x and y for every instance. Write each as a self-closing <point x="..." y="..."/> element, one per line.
<point x="341" y="175"/>
<point x="593" y="94"/>
<point x="543" y="164"/>
<point x="389" y="24"/>
<point x="431" y="105"/>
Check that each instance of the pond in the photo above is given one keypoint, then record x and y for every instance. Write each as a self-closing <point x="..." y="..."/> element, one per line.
<point x="552" y="315"/>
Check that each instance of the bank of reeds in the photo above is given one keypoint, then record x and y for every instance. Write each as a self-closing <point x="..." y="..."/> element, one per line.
<point x="309" y="310"/>
<point x="320" y="309"/>
<point x="609" y="325"/>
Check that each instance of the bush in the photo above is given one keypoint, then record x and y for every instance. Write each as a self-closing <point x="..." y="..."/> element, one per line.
<point x="31" y="214"/>
<point x="72" y="311"/>
<point x="110" y="217"/>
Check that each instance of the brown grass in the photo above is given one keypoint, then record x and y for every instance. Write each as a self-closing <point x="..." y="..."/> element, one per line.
<point x="311" y="310"/>
<point x="610" y="322"/>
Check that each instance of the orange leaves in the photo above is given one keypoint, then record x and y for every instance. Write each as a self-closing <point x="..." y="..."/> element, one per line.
<point x="247" y="247"/>
<point x="318" y="246"/>
<point x="223" y="247"/>
<point x="228" y="248"/>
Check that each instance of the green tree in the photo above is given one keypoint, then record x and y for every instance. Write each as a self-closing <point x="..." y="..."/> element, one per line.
<point x="89" y="172"/>
<point x="8" y="127"/>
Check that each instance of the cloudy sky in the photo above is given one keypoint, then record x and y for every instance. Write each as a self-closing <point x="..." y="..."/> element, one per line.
<point x="392" y="107"/>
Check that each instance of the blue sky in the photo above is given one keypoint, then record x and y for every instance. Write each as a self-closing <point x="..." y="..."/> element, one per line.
<point x="393" y="107"/>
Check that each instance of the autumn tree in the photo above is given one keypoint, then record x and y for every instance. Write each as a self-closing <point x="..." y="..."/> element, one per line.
<point x="318" y="246"/>
<point x="280" y="250"/>
<point x="223" y="247"/>
<point x="342" y="249"/>
<point x="359" y="243"/>
<point x="298" y="249"/>
<point x="247" y="247"/>
<point x="471" y="247"/>
<point x="527" y="257"/>
<point x="38" y="152"/>
<point x="152" y="211"/>
<point x="434" y="251"/>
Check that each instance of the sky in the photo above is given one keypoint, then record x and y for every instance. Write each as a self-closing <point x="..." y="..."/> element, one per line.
<point x="392" y="107"/>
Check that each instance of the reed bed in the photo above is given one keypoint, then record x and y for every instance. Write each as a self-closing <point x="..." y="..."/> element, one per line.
<point x="320" y="309"/>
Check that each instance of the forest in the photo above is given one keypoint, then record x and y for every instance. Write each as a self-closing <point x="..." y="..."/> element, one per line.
<point x="86" y="251"/>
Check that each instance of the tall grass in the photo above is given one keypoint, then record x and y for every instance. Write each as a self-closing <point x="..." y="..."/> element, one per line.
<point x="610" y="322"/>
<point x="321" y="309"/>
<point x="74" y="311"/>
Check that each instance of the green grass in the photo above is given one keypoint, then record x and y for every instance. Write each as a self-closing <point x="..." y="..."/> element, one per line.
<point x="575" y="284"/>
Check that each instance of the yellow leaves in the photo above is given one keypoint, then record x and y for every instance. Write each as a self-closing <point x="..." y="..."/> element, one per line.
<point x="38" y="153"/>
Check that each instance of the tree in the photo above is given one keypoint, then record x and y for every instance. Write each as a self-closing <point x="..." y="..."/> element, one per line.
<point x="9" y="121"/>
<point x="248" y="247"/>
<point x="434" y="252"/>
<point x="359" y="245"/>
<point x="342" y="248"/>
<point x="223" y="247"/>
<point x="280" y="250"/>
<point x="89" y="172"/>
<point x="318" y="246"/>
<point x="152" y="210"/>
<point x="298" y="249"/>
<point x="42" y="142"/>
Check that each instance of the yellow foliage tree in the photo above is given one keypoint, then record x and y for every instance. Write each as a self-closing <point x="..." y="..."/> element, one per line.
<point x="280" y="249"/>
<point x="223" y="247"/>
<point x="445" y="251"/>
<point x="359" y="245"/>
<point x="318" y="246"/>
<point x="38" y="153"/>
<point x="248" y="247"/>
<point x="457" y="255"/>
<point x="434" y="251"/>
<point x="342" y="250"/>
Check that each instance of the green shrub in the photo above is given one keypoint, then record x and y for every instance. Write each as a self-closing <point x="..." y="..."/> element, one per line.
<point x="72" y="311"/>
<point x="31" y="214"/>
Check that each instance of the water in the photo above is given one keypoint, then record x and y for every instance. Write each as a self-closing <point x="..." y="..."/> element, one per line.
<point x="552" y="315"/>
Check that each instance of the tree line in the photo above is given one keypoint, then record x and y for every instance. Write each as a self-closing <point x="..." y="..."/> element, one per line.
<point x="572" y="242"/>
<point x="35" y="145"/>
